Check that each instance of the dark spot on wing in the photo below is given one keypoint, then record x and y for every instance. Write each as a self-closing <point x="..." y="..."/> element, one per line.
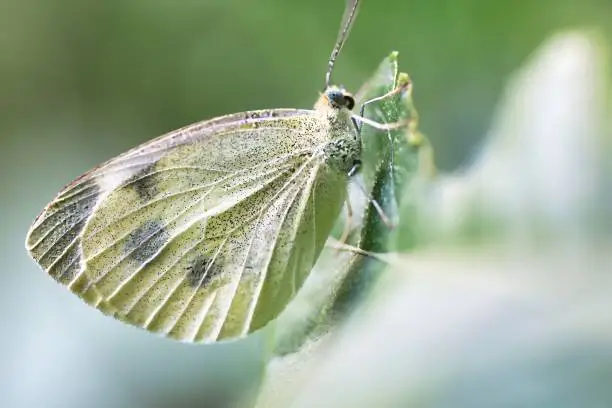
<point x="200" y="273"/>
<point x="146" y="240"/>
<point x="144" y="183"/>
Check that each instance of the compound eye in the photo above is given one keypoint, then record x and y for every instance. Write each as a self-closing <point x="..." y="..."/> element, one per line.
<point x="339" y="99"/>
<point x="349" y="101"/>
<point x="336" y="98"/>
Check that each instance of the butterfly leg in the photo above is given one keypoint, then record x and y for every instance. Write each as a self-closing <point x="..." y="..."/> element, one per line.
<point x="381" y="126"/>
<point x="387" y="126"/>
<point x="339" y="246"/>
<point x="381" y="213"/>
<point x="348" y="224"/>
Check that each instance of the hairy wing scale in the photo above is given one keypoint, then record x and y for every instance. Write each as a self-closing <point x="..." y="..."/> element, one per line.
<point x="145" y="237"/>
<point x="162" y="303"/>
<point x="121" y="243"/>
<point x="226" y="315"/>
<point x="54" y="236"/>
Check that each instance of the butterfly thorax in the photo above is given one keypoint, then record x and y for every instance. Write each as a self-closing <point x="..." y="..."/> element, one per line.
<point x="344" y="147"/>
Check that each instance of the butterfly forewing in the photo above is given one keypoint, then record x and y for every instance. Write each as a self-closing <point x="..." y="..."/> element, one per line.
<point x="203" y="234"/>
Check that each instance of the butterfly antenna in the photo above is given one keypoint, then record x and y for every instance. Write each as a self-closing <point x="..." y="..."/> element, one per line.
<point x="350" y="12"/>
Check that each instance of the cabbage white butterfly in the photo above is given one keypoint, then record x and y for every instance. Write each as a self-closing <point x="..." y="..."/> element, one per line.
<point x="207" y="232"/>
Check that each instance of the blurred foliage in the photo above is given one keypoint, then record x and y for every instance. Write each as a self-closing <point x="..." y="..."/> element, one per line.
<point x="81" y="81"/>
<point x="139" y="68"/>
<point x="504" y="298"/>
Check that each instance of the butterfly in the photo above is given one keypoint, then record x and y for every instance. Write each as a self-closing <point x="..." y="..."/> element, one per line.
<point x="206" y="233"/>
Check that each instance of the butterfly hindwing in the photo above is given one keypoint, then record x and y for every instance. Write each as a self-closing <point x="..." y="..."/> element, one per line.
<point x="203" y="234"/>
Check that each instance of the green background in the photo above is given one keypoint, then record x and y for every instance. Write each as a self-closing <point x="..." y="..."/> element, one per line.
<point x="82" y="81"/>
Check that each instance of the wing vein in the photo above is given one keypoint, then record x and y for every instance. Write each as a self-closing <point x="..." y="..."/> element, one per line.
<point x="241" y="225"/>
<point x="66" y="248"/>
<point x="52" y="229"/>
<point x="75" y="193"/>
<point x="60" y="276"/>
<point x="183" y="254"/>
<point x="178" y="193"/>
<point x="156" y="231"/>
<point x="179" y="282"/>
<point x="53" y="245"/>
<point x="257" y="295"/>
<point x="153" y="233"/>
<point x="281" y="190"/>
<point x="142" y="152"/>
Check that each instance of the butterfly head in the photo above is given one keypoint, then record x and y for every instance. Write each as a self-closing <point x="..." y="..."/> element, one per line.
<point x="337" y="98"/>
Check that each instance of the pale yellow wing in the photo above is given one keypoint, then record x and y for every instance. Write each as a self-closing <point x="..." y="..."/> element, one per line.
<point x="203" y="234"/>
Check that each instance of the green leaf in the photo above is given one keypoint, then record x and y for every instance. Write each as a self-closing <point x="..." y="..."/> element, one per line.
<point x="336" y="278"/>
<point x="341" y="280"/>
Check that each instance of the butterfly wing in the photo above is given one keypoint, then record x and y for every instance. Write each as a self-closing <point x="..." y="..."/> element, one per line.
<point x="203" y="234"/>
